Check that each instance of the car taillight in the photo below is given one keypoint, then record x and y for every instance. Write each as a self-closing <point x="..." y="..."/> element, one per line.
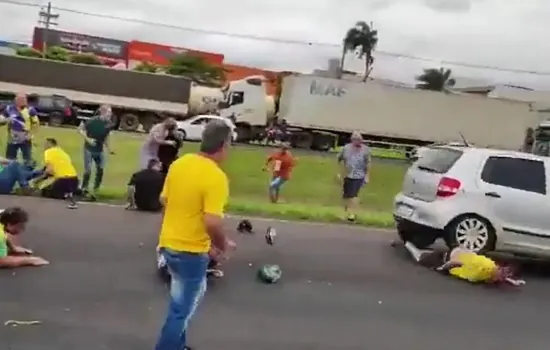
<point x="448" y="187"/>
<point x="68" y="112"/>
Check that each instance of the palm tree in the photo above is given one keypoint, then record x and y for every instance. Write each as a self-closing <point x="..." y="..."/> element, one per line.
<point x="435" y="79"/>
<point x="361" y="40"/>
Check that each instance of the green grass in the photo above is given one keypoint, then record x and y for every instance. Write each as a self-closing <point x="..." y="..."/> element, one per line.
<point x="312" y="194"/>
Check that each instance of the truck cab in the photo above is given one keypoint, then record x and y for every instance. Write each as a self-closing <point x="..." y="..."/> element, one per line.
<point x="245" y="102"/>
<point x="541" y="145"/>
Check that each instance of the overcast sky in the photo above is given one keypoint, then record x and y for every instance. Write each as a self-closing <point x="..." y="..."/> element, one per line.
<point x="502" y="33"/>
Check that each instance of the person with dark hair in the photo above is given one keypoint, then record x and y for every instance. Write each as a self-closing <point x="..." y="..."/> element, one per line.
<point x="144" y="188"/>
<point x="282" y="162"/>
<point x="168" y="153"/>
<point x="95" y="132"/>
<point x="62" y="178"/>
<point x="12" y="223"/>
<point x="464" y="264"/>
<point x="195" y="193"/>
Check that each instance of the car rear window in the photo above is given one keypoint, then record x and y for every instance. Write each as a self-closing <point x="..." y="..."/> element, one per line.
<point x="438" y="159"/>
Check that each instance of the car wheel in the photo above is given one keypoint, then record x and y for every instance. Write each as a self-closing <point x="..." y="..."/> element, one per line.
<point x="471" y="232"/>
<point x="421" y="240"/>
<point x="183" y="134"/>
<point x="55" y="119"/>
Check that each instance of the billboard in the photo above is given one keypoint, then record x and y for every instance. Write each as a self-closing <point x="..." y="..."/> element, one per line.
<point x="139" y="51"/>
<point x="111" y="51"/>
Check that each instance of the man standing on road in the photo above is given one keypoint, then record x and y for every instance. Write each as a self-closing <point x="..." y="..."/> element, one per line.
<point x="354" y="160"/>
<point x="22" y="122"/>
<point x="195" y="193"/>
<point x="96" y="134"/>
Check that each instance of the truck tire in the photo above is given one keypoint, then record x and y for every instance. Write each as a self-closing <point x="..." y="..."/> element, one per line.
<point x="148" y="121"/>
<point x="243" y="133"/>
<point x="55" y="119"/>
<point x="129" y="122"/>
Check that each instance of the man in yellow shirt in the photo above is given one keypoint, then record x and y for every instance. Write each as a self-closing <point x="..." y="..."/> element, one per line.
<point x="195" y="193"/>
<point x="59" y="167"/>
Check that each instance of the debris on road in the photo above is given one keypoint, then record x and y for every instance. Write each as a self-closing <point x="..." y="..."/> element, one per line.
<point x="15" y="323"/>
<point x="270" y="274"/>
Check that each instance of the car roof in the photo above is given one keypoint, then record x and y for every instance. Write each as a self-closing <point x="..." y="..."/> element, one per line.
<point x="495" y="152"/>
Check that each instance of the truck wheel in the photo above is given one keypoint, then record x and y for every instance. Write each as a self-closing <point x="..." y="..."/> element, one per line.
<point x="148" y="121"/>
<point x="243" y="133"/>
<point x="129" y="122"/>
<point x="55" y="119"/>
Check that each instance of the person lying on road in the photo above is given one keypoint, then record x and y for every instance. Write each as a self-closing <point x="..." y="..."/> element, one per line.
<point x="13" y="173"/>
<point x="464" y="264"/>
<point x="12" y="224"/>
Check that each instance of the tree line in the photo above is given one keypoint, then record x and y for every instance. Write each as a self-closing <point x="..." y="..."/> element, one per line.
<point x="182" y="64"/>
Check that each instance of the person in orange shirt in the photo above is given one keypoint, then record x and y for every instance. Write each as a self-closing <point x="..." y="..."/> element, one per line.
<point x="281" y="162"/>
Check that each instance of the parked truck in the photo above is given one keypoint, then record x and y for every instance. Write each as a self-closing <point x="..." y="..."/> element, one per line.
<point x="320" y="112"/>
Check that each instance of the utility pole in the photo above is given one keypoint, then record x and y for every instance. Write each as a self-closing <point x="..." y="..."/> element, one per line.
<point x="48" y="19"/>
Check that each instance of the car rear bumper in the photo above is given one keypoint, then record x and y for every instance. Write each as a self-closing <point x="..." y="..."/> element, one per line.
<point x="433" y="215"/>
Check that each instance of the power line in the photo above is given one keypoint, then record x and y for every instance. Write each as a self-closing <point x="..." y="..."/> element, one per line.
<point x="275" y="40"/>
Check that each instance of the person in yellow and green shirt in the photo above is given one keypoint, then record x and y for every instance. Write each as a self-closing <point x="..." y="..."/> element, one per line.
<point x="12" y="223"/>
<point x="22" y="122"/>
<point x="60" y="174"/>
<point x="194" y="196"/>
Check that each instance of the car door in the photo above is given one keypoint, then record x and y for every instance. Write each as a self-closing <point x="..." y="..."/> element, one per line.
<point x="517" y="192"/>
<point x="195" y="128"/>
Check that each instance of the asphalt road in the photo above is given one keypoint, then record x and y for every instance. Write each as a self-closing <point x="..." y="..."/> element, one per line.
<point x="342" y="288"/>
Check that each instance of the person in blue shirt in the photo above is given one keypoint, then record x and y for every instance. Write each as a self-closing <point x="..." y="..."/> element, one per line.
<point x="22" y="122"/>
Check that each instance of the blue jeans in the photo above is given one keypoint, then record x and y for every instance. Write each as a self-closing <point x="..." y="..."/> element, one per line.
<point x="187" y="287"/>
<point x="12" y="149"/>
<point x="15" y="173"/>
<point x="90" y="158"/>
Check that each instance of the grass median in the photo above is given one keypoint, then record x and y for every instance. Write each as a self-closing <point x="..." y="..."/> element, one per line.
<point x="313" y="193"/>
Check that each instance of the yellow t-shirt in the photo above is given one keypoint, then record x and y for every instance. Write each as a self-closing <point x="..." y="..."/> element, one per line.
<point x="475" y="268"/>
<point x="195" y="185"/>
<point x="59" y="162"/>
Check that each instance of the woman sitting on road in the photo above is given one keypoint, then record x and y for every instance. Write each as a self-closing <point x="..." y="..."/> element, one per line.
<point x="12" y="224"/>
<point x="464" y="264"/>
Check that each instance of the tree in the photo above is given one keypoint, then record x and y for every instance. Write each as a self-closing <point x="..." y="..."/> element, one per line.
<point x="147" y="67"/>
<point x="360" y="40"/>
<point x="28" y="52"/>
<point x="85" y="58"/>
<point x="196" y="69"/>
<point x="57" y="53"/>
<point x="435" y="79"/>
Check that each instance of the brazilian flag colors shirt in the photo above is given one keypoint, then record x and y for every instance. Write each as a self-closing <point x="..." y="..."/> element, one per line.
<point x="3" y="243"/>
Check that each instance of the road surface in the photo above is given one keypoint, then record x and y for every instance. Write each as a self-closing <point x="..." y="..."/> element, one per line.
<point x="343" y="288"/>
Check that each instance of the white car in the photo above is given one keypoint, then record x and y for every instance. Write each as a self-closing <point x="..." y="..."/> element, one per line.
<point x="193" y="128"/>
<point x="480" y="199"/>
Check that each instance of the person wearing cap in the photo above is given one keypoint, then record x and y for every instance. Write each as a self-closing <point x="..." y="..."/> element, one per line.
<point x="281" y="163"/>
<point x="354" y="161"/>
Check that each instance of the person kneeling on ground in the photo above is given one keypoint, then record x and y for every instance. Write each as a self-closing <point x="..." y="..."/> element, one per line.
<point x="13" y="173"/>
<point x="464" y="264"/>
<point x="60" y="173"/>
<point x="145" y="187"/>
<point x="12" y="223"/>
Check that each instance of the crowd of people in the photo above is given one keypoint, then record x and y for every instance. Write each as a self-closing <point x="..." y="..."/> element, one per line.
<point x="192" y="191"/>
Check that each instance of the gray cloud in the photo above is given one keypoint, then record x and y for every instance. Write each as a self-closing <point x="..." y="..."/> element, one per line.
<point x="502" y="33"/>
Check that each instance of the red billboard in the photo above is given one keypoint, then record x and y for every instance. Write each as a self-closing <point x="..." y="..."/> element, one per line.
<point x="111" y="51"/>
<point x="139" y="51"/>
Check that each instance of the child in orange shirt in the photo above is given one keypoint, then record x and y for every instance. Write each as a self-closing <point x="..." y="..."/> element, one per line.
<point x="282" y="164"/>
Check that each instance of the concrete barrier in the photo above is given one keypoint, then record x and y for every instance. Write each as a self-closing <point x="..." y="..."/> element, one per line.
<point x="91" y="79"/>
